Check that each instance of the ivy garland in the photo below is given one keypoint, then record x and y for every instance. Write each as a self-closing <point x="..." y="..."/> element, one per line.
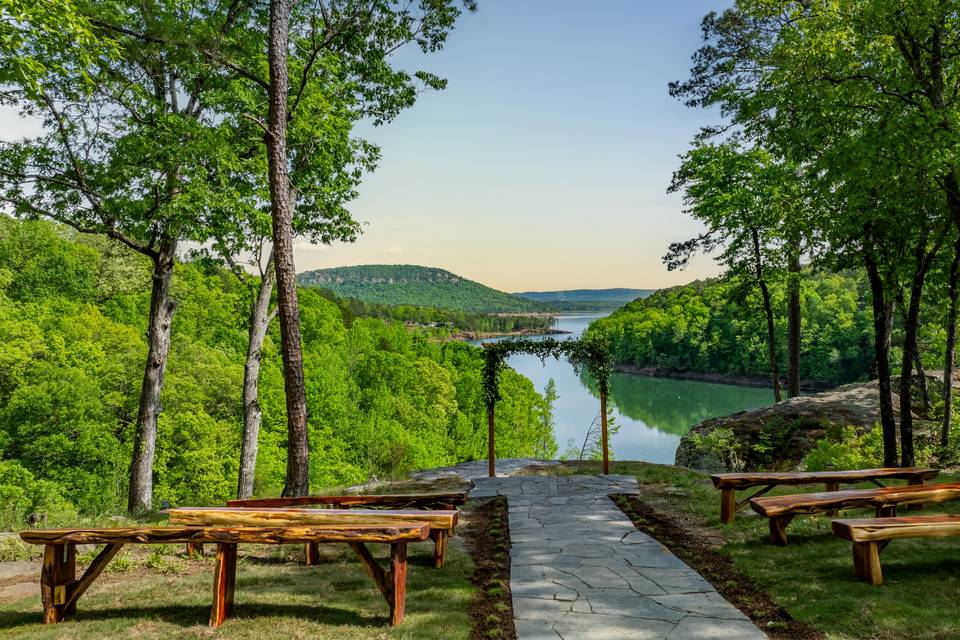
<point x="590" y="353"/>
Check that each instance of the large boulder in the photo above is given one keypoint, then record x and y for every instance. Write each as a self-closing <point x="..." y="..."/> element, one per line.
<point x="779" y="436"/>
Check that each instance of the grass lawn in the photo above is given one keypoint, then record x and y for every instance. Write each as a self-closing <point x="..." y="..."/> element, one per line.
<point x="158" y="593"/>
<point x="812" y="578"/>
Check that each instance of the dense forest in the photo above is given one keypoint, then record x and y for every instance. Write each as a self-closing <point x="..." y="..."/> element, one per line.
<point x="710" y="327"/>
<point x="586" y="300"/>
<point x="404" y="284"/>
<point x="451" y="320"/>
<point x="383" y="399"/>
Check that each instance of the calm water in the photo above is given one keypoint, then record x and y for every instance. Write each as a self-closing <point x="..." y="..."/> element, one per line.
<point x="652" y="412"/>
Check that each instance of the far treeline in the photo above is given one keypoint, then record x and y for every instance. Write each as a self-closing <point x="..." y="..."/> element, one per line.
<point x="718" y="326"/>
<point x="384" y="400"/>
<point x="836" y="143"/>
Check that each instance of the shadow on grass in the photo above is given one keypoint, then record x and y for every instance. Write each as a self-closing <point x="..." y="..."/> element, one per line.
<point x="192" y="615"/>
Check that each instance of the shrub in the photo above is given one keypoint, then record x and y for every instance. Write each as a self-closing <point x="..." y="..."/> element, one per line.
<point x="846" y="448"/>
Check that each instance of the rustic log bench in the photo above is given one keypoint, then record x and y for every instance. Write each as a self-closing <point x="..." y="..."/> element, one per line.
<point x="781" y="510"/>
<point x="60" y="589"/>
<point x="871" y="535"/>
<point x="442" y="523"/>
<point x="440" y="501"/>
<point x="730" y="483"/>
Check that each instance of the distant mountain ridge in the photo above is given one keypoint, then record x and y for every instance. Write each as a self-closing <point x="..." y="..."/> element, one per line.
<point x="619" y="294"/>
<point x="397" y="284"/>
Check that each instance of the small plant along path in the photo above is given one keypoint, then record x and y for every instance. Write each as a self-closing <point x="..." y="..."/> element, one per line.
<point x="580" y="569"/>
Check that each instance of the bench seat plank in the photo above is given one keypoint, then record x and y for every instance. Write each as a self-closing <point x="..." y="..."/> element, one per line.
<point x="448" y="500"/>
<point x="393" y="532"/>
<point x="729" y="483"/>
<point x="782" y="509"/>
<point x="871" y="535"/>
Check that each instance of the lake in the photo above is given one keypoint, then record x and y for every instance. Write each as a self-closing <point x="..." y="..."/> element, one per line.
<point x="652" y="412"/>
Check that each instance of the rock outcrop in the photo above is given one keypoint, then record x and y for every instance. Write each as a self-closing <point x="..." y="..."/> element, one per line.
<point x="780" y="435"/>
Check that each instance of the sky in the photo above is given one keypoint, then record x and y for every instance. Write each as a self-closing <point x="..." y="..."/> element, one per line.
<point x="544" y="163"/>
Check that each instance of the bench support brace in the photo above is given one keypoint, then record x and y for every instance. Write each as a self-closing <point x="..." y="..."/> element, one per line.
<point x="392" y="582"/>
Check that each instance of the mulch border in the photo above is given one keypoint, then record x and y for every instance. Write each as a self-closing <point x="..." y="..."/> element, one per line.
<point x="717" y="569"/>
<point x="487" y="538"/>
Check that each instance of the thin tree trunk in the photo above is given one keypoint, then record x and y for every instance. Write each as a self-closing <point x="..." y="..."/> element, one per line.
<point x="281" y="209"/>
<point x="162" y="307"/>
<point x="949" y="351"/>
<point x="260" y="318"/>
<point x="911" y="323"/>
<point x="768" y="311"/>
<point x="881" y="348"/>
<point x="793" y="322"/>
<point x="922" y="382"/>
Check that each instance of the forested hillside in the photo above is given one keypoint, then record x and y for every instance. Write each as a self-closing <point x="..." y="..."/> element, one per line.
<point x="419" y="286"/>
<point x="586" y="299"/>
<point x="382" y="399"/>
<point x="714" y="326"/>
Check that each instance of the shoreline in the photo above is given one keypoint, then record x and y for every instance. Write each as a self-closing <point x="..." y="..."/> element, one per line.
<point x="469" y="336"/>
<point x="713" y="378"/>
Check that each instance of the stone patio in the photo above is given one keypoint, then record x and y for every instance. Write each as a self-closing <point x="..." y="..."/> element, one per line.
<point x="579" y="569"/>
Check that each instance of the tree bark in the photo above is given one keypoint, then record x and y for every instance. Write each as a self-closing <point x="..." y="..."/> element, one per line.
<point x="793" y="322"/>
<point x="162" y="307"/>
<point x="260" y="318"/>
<point x="281" y="209"/>
<point x="950" y="349"/>
<point x="881" y="348"/>
<point x="768" y="312"/>
<point x="922" y="382"/>
<point x="911" y="322"/>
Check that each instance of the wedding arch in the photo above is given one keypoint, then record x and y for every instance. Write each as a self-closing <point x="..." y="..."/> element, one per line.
<point x="590" y="353"/>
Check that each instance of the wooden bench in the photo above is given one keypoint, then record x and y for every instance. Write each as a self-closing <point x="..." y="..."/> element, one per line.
<point x="60" y="589"/>
<point x="730" y="483"/>
<point x="871" y="535"/>
<point x="442" y="523"/>
<point x="443" y="501"/>
<point x="884" y="501"/>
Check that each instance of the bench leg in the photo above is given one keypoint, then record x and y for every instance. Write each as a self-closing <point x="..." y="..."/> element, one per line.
<point x="439" y="546"/>
<point x="778" y="530"/>
<point x="728" y="505"/>
<point x="311" y="554"/>
<point x="398" y="582"/>
<point x="224" y="581"/>
<point x="832" y="486"/>
<point x="195" y="549"/>
<point x="392" y="583"/>
<point x="886" y="511"/>
<point x="58" y="572"/>
<point x="866" y="562"/>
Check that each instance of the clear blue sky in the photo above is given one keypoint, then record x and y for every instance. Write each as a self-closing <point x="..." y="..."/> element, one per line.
<point x="545" y="162"/>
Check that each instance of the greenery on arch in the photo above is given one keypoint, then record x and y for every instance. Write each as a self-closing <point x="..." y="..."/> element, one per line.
<point x="590" y="353"/>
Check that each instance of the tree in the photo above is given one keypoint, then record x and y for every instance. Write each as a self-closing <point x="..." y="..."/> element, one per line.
<point x="737" y="194"/>
<point x="131" y="151"/>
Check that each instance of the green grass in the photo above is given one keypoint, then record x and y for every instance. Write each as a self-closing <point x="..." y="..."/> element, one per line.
<point x="813" y="576"/>
<point x="163" y="595"/>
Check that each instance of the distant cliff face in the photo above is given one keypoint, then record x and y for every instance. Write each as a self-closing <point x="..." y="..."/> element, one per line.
<point x="416" y="285"/>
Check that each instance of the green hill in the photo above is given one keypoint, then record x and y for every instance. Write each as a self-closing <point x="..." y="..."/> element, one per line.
<point x="415" y="285"/>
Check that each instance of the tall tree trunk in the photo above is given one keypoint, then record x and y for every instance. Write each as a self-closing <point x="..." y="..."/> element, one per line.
<point x="911" y="322"/>
<point x="950" y="350"/>
<point x="281" y="209"/>
<point x="162" y="307"/>
<point x="768" y="312"/>
<point x="881" y="349"/>
<point x="793" y="322"/>
<point x="260" y="318"/>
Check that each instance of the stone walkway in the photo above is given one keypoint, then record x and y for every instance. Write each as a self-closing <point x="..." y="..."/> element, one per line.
<point x="580" y="570"/>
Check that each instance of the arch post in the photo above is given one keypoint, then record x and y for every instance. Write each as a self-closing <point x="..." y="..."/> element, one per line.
<point x="603" y="432"/>
<point x="491" y="449"/>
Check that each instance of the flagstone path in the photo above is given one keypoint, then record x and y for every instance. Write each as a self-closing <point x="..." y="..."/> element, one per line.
<point x="580" y="570"/>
